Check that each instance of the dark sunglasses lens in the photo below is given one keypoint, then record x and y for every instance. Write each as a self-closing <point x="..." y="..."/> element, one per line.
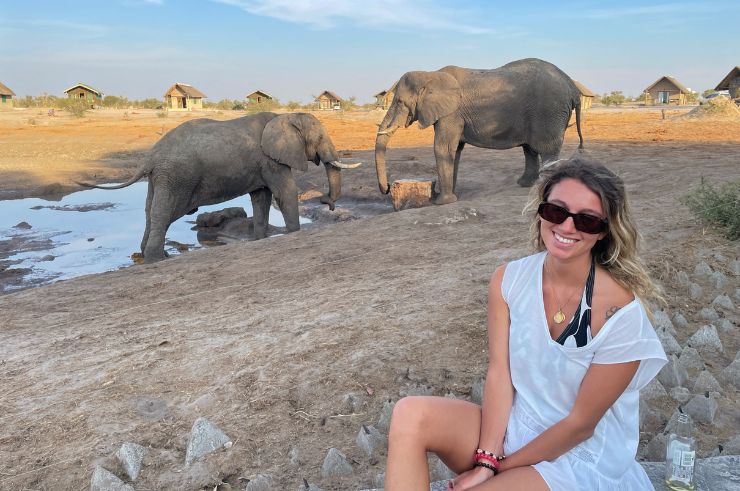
<point x="585" y="223"/>
<point x="552" y="213"/>
<point x="588" y="224"/>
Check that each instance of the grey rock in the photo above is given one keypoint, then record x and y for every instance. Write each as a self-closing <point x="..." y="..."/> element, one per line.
<point x="653" y="390"/>
<point x="680" y="394"/>
<point x="725" y="325"/>
<point x="650" y="419"/>
<point x="670" y="345"/>
<point x="656" y="448"/>
<point x="309" y="486"/>
<point x="670" y="427"/>
<point x="706" y="340"/>
<point x="690" y="359"/>
<point x="262" y="482"/>
<point x="732" y="446"/>
<point x="335" y="464"/>
<point x="680" y="321"/>
<point x="737" y="293"/>
<point x="439" y="471"/>
<point x="718" y="280"/>
<point x="380" y="480"/>
<point x="47" y="258"/>
<point x="712" y="474"/>
<point x="695" y="291"/>
<point x="702" y="269"/>
<point x="131" y="456"/>
<point x="295" y="456"/>
<point x="384" y="421"/>
<point x="723" y="302"/>
<point x="682" y="278"/>
<point x="731" y="374"/>
<point x="416" y="389"/>
<point x="708" y="314"/>
<point x="205" y="437"/>
<point x="661" y="321"/>
<point x="23" y="226"/>
<point x="702" y="408"/>
<point x="370" y="440"/>
<point x="103" y="480"/>
<point x="216" y="218"/>
<point x="706" y="382"/>
<point x="351" y="403"/>
<point x="735" y="267"/>
<point x="476" y="390"/>
<point x="672" y="374"/>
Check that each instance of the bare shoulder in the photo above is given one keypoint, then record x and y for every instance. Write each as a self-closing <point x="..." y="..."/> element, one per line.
<point x="609" y="297"/>
<point x="498" y="273"/>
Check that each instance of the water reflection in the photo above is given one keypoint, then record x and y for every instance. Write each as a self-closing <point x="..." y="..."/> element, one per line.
<point x="89" y="231"/>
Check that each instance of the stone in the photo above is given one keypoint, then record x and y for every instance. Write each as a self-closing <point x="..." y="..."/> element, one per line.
<point x="384" y="421"/>
<point x="205" y="438"/>
<point x="439" y="471"/>
<point x="370" y="440"/>
<point x="411" y="193"/>
<point x="690" y="359"/>
<point x="718" y="280"/>
<point x="695" y="291"/>
<point x="702" y="408"/>
<point x="661" y="321"/>
<point x="295" y="456"/>
<point x="308" y="486"/>
<point x="723" y="302"/>
<point x="652" y="390"/>
<point x="262" y="482"/>
<point x="351" y="403"/>
<point x="656" y="449"/>
<point x="731" y="374"/>
<point x="732" y="446"/>
<point x="680" y="394"/>
<point x="476" y="390"/>
<point x="706" y="382"/>
<point x="712" y="474"/>
<point x="335" y="464"/>
<point x="416" y="389"/>
<point x="706" y="340"/>
<point x="131" y="456"/>
<point x="672" y="374"/>
<point x="23" y="226"/>
<point x="702" y="269"/>
<point x="682" y="278"/>
<point x="737" y="293"/>
<point x="217" y="218"/>
<point x="680" y="321"/>
<point x="650" y="419"/>
<point x="735" y="267"/>
<point x="708" y="314"/>
<point x="670" y="427"/>
<point x="670" y="345"/>
<point x="104" y="480"/>
<point x="725" y="325"/>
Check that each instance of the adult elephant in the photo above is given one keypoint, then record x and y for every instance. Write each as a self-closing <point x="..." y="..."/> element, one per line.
<point x="525" y="103"/>
<point x="202" y="162"/>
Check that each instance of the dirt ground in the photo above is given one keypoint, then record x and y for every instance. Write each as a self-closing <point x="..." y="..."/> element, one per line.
<point x="293" y="342"/>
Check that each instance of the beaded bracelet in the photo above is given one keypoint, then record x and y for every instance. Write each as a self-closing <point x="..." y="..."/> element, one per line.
<point x="487" y="466"/>
<point x="480" y="451"/>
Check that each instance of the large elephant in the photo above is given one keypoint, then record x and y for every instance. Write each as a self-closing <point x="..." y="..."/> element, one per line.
<point x="202" y="162"/>
<point x="525" y="103"/>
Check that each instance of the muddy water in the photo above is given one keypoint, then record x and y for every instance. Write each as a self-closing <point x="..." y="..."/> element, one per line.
<point x="86" y="232"/>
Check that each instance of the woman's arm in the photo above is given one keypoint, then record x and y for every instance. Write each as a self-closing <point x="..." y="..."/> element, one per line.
<point x="600" y="388"/>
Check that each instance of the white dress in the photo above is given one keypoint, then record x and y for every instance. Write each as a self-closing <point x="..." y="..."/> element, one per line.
<point x="547" y="375"/>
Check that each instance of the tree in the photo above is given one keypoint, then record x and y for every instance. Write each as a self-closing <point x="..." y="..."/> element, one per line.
<point x="293" y="105"/>
<point x="348" y="104"/>
<point x="616" y="98"/>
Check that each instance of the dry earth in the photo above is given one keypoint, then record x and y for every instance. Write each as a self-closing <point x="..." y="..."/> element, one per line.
<point x="294" y="342"/>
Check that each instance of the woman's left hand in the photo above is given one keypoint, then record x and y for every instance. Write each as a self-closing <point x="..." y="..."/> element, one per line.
<point x="469" y="479"/>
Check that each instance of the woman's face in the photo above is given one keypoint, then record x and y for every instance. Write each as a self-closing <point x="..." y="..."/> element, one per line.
<point x="564" y="241"/>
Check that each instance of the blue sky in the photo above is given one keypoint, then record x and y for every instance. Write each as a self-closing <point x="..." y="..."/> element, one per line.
<point x="295" y="49"/>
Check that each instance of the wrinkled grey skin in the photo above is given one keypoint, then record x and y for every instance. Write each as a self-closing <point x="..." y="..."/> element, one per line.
<point x="525" y="103"/>
<point x="202" y="162"/>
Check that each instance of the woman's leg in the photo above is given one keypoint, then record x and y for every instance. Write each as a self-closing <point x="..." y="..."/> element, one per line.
<point x="448" y="427"/>
<point x="520" y="479"/>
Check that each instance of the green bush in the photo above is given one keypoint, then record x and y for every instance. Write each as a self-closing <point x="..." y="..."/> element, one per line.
<point x="616" y="98"/>
<point x="267" y="105"/>
<point x="718" y="207"/>
<point x="77" y="107"/>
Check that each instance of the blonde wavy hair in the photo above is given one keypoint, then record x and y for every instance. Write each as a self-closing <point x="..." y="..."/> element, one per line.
<point x="617" y="252"/>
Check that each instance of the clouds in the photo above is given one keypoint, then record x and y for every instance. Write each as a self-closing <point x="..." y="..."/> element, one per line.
<point x="644" y="10"/>
<point x="393" y="14"/>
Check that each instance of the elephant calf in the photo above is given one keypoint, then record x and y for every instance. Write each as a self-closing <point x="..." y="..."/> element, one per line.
<point x="202" y="162"/>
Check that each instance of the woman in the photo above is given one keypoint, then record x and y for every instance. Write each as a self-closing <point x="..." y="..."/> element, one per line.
<point x="570" y="346"/>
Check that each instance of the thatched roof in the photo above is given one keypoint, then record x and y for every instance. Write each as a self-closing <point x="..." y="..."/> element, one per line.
<point x="331" y="95"/>
<point x="725" y="83"/>
<point x="185" y="89"/>
<point x="86" y="87"/>
<point x="672" y="80"/>
<point x="259" y="93"/>
<point x="5" y="90"/>
<point x="585" y="91"/>
<point x="381" y="93"/>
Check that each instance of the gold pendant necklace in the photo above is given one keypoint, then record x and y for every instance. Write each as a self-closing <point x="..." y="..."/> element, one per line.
<point x="559" y="316"/>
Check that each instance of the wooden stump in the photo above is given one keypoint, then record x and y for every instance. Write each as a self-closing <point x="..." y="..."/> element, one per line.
<point x="411" y="193"/>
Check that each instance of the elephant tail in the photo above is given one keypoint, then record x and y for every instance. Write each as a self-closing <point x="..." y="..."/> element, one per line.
<point x="140" y="172"/>
<point x="577" y="106"/>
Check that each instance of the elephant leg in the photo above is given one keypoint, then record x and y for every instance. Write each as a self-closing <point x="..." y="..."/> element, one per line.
<point x="531" y="167"/>
<point x="261" y="200"/>
<point x="446" y="142"/>
<point x="285" y="190"/>
<point x="147" y="211"/>
<point x="460" y="147"/>
<point x="161" y="215"/>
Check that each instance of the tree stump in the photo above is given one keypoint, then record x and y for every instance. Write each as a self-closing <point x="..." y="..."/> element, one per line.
<point x="411" y="193"/>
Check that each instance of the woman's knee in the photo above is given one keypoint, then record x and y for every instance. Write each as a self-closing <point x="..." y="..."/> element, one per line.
<point x="409" y="416"/>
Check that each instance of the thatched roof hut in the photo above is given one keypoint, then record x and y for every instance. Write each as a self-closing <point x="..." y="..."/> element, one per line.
<point x="587" y="96"/>
<point x="87" y="93"/>
<point x="731" y="83"/>
<point x="666" y="90"/>
<point x="328" y="100"/>
<point x="258" y="96"/>
<point x="6" y="97"/>
<point x="183" y="97"/>
<point x="384" y="98"/>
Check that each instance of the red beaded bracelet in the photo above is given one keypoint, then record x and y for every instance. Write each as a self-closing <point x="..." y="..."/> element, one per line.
<point x="480" y="451"/>
<point x="487" y="466"/>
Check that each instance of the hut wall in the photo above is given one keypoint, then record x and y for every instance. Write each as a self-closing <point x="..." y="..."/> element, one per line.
<point x="734" y="87"/>
<point x="82" y="93"/>
<point x="6" y="101"/>
<point x="675" y="96"/>
<point x="586" y="102"/>
<point x="326" y="102"/>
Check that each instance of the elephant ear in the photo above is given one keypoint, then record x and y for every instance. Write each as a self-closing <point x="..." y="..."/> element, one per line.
<point x="282" y="141"/>
<point x="438" y="97"/>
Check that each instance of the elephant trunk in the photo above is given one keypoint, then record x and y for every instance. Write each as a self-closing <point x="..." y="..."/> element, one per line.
<point x="334" y="174"/>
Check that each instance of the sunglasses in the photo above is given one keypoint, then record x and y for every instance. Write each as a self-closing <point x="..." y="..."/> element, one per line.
<point x="583" y="222"/>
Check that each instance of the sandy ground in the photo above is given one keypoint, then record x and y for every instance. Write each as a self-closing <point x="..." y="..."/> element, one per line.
<point x="273" y="340"/>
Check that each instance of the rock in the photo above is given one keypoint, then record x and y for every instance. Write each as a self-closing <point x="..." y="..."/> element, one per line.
<point x="737" y="293"/>
<point x="708" y="314"/>
<point x="735" y="267"/>
<point x="723" y="302"/>
<point x="680" y="394"/>
<point x="661" y="321"/>
<point x="672" y="374"/>
<point x="732" y="446"/>
<point x="655" y="450"/>
<point x="680" y="321"/>
<point x="262" y="482"/>
<point x="695" y="291"/>
<point x="370" y="440"/>
<point x="702" y="269"/>
<point x="706" y="340"/>
<point x="690" y="359"/>
<point x="23" y="226"/>
<point x="731" y="374"/>
<point x="725" y="325"/>
<point x="416" y="389"/>
<point x="295" y="456"/>
<point x="713" y="474"/>
<point x="670" y="345"/>
<point x="718" y="280"/>
<point x="103" y="480"/>
<point x="48" y="257"/>
<point x="650" y="419"/>
<point x="307" y="486"/>
<point x="131" y="456"/>
<point x="411" y="193"/>
<point x="476" y="390"/>
<point x="670" y="427"/>
<point x="216" y="218"/>
<point x="682" y="278"/>
<point x="702" y="408"/>
<point x="439" y="471"/>
<point x="351" y="403"/>
<point x="205" y="437"/>
<point x="706" y="382"/>
<point x="384" y="421"/>
<point x="335" y="464"/>
<point x="652" y="390"/>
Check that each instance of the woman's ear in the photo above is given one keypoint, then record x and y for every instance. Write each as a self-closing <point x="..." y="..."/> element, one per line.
<point x="283" y="142"/>
<point x="439" y="96"/>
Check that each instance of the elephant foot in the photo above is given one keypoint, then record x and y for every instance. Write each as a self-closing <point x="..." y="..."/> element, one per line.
<point x="526" y="181"/>
<point x="152" y="257"/>
<point x="444" y="199"/>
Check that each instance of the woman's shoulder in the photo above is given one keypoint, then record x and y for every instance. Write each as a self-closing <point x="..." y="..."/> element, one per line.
<point x="610" y="296"/>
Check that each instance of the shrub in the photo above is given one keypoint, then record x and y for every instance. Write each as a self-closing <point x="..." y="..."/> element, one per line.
<point x="616" y="98"/>
<point x="718" y="207"/>
<point x="258" y="107"/>
<point x="293" y="105"/>
<point x="162" y="114"/>
<point x="77" y="107"/>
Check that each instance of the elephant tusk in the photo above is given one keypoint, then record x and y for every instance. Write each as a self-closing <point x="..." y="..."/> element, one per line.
<point x="385" y="132"/>
<point x="341" y="165"/>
